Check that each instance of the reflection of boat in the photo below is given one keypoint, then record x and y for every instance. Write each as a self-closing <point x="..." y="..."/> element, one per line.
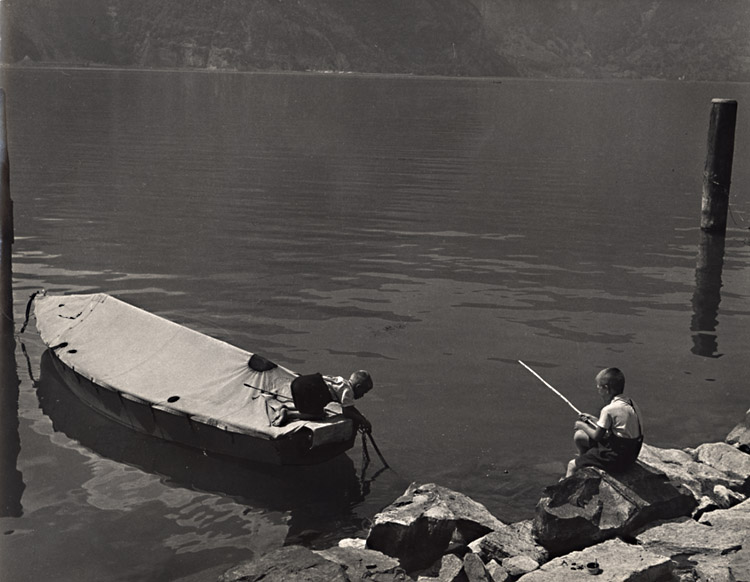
<point x="168" y="381"/>
<point x="312" y="494"/>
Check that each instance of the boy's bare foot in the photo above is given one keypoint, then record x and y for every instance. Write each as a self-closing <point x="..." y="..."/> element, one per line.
<point x="280" y="419"/>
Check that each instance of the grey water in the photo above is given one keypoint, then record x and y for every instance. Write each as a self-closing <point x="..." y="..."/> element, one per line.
<point x="432" y="231"/>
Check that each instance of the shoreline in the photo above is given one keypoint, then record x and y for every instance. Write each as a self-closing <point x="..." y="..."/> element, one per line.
<point x="679" y="515"/>
<point x="352" y="74"/>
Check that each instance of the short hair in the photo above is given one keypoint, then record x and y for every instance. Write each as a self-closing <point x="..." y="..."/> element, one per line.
<point x="361" y="379"/>
<point x="612" y="378"/>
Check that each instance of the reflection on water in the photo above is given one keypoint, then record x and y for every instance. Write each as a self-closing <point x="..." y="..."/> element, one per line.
<point x="308" y="493"/>
<point x="707" y="295"/>
<point x="11" y="479"/>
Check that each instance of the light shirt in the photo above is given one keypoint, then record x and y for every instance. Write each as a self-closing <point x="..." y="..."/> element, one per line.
<point x="620" y="418"/>
<point x="340" y="389"/>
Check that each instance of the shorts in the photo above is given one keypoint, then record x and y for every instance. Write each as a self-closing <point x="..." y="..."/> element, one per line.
<point x="311" y="395"/>
<point x="613" y="454"/>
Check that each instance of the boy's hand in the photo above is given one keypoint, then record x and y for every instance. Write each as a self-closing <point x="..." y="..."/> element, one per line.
<point x="587" y="418"/>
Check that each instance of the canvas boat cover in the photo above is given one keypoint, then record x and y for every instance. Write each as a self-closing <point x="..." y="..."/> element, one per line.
<point x="124" y="348"/>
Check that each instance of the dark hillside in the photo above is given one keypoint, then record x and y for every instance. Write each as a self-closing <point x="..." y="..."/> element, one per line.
<point x="671" y="39"/>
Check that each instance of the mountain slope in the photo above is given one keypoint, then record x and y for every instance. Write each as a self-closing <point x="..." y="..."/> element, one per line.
<point x="693" y="39"/>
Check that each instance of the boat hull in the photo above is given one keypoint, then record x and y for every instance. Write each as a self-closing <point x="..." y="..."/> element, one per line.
<point x="292" y="449"/>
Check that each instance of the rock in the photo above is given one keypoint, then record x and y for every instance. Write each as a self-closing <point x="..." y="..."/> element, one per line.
<point x="722" y="498"/>
<point x="497" y="572"/>
<point x="450" y="570"/>
<point x="687" y="537"/>
<point x="701" y="479"/>
<point x="738" y="517"/>
<point x="355" y="543"/>
<point x="706" y="552"/>
<point x="426" y="522"/>
<point x="740" y="435"/>
<point x="519" y="565"/>
<point x="360" y="564"/>
<point x="714" y="573"/>
<point x="726" y="498"/>
<point x="725" y="457"/>
<point x="474" y="569"/>
<point x="731" y="521"/>
<point x="617" y="561"/>
<point x="515" y="539"/>
<point x="592" y="506"/>
<point x="288" y="564"/>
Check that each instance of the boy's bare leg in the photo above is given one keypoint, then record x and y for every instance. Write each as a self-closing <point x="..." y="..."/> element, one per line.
<point x="582" y="441"/>
<point x="286" y="415"/>
<point x="571" y="468"/>
<point x="282" y="415"/>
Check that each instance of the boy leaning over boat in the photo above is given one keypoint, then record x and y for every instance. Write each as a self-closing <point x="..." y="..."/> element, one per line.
<point x="312" y="392"/>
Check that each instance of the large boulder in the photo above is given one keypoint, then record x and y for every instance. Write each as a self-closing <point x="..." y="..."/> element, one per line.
<point x="452" y="568"/>
<point x="288" y="564"/>
<point x="711" y="486"/>
<point x="361" y="564"/>
<point x="687" y="537"/>
<point x="426" y="522"/>
<point x="702" y="552"/>
<point x="592" y="506"/>
<point x="615" y="561"/>
<point x="732" y="521"/>
<point x="726" y="458"/>
<point x="740" y="434"/>
<point x="509" y="541"/>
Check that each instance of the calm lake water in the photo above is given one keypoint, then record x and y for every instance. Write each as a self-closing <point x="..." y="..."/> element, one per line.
<point x="431" y="231"/>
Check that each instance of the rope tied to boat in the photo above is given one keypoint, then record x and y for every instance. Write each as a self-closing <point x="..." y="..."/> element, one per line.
<point x="28" y="308"/>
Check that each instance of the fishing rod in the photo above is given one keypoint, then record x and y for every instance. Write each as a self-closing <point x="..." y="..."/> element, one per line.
<point x="548" y="385"/>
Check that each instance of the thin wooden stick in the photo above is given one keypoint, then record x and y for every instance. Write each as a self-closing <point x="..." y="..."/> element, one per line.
<point x="278" y="396"/>
<point x="377" y="450"/>
<point x="568" y="402"/>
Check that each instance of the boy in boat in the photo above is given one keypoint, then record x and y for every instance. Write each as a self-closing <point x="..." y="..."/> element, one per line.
<point x="312" y="392"/>
<point x="613" y="441"/>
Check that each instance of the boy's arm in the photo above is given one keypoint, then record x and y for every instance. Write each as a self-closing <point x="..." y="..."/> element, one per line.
<point x="357" y="417"/>
<point x="587" y="423"/>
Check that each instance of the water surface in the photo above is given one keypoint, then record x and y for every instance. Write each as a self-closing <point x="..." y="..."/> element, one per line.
<point x="431" y="231"/>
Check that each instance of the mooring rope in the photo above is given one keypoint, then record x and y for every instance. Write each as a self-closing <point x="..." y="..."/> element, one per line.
<point x="28" y="308"/>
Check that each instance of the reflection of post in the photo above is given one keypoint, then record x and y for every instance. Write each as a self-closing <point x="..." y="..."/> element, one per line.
<point x="11" y="481"/>
<point x="707" y="294"/>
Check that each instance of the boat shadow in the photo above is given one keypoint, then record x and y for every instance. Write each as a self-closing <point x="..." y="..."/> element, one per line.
<point x="320" y="499"/>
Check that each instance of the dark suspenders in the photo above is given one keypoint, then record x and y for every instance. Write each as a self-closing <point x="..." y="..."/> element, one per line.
<point x="638" y="418"/>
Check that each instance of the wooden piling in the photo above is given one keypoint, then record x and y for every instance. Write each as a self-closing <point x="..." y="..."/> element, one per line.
<point x="11" y="479"/>
<point x="6" y="226"/>
<point x="718" y="171"/>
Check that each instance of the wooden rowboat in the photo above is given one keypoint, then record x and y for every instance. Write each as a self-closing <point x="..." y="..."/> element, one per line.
<point x="166" y="380"/>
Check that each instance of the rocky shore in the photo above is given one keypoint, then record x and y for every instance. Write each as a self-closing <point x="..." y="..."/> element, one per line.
<point x="678" y="515"/>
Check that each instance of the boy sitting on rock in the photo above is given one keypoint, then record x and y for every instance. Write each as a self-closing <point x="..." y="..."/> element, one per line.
<point x="312" y="392"/>
<point x="613" y="441"/>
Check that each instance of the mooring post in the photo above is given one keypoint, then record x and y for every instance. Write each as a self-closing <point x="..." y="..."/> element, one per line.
<point x="718" y="172"/>
<point x="6" y="226"/>
<point x="11" y="479"/>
